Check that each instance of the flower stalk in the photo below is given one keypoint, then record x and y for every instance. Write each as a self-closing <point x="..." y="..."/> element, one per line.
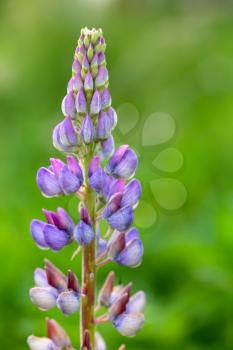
<point x="102" y="180"/>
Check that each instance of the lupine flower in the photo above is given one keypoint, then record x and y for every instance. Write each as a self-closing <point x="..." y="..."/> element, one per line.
<point x="65" y="137"/>
<point x="80" y="102"/>
<point x="103" y="128"/>
<point x="87" y="130"/>
<point x="57" y="338"/>
<point x="95" y="103"/>
<point x="56" y="233"/>
<point x="112" y="117"/>
<point x="83" y="232"/>
<point x="126" y="248"/>
<point x="53" y="288"/>
<point x="107" y="148"/>
<point x="68" y="105"/>
<point x="123" y="163"/>
<point x="60" y="178"/>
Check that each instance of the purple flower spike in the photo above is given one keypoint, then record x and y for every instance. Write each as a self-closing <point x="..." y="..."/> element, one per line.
<point x="88" y="83"/>
<point x="80" y="102"/>
<point x="87" y="130"/>
<point x="37" y="232"/>
<point x="102" y="77"/>
<point x="45" y="298"/>
<point x="121" y="219"/>
<point x="105" y="99"/>
<point x="41" y="343"/>
<point x="68" y="105"/>
<point x="107" y="148"/>
<point x="95" y="103"/>
<point x="103" y="128"/>
<point x="132" y="254"/>
<point x="68" y="302"/>
<point x="112" y="117"/>
<point x="132" y="193"/>
<point x="129" y="325"/>
<point x="123" y="162"/>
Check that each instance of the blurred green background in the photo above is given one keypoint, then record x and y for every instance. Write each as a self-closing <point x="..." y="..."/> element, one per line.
<point x="163" y="56"/>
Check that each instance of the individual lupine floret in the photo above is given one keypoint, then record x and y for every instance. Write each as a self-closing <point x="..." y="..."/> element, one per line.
<point x="60" y="178"/>
<point x="103" y="128"/>
<point x="123" y="163"/>
<point x="87" y="130"/>
<point x="65" y="137"/>
<point x="107" y="148"/>
<point x="57" y="338"/>
<point x="83" y="232"/>
<point x="126" y="248"/>
<point x="53" y="288"/>
<point x="68" y="105"/>
<point x="81" y="103"/>
<point x="56" y="233"/>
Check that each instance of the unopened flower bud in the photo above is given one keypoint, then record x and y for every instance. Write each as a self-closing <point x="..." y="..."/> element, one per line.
<point x="103" y="128"/>
<point x="94" y="65"/>
<point x="90" y="52"/>
<point x="68" y="105"/>
<point x="44" y="297"/>
<point x="88" y="83"/>
<point x="80" y="102"/>
<point x="57" y="334"/>
<point x="106" y="290"/>
<point x="102" y="77"/>
<point x="107" y="148"/>
<point x="76" y="66"/>
<point x="95" y="105"/>
<point x="123" y="162"/>
<point x="87" y="130"/>
<point x="41" y="343"/>
<point x="68" y="302"/>
<point x="113" y="117"/>
<point x="129" y="325"/>
<point x="105" y="99"/>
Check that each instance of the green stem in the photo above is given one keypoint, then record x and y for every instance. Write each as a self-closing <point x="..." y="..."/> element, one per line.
<point x="88" y="267"/>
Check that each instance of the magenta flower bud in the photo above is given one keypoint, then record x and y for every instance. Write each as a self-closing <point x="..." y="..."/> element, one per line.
<point x="101" y="58"/>
<point x="68" y="302"/>
<point x="80" y="102"/>
<point x="76" y="66"/>
<point x="87" y="130"/>
<point x="103" y="128"/>
<point x="105" y="99"/>
<point x="123" y="162"/>
<point x="57" y="334"/>
<point x="77" y="83"/>
<point x="85" y="63"/>
<point x="55" y="277"/>
<point x="132" y="193"/>
<point x="44" y="297"/>
<point x="88" y="82"/>
<point x="95" y="103"/>
<point x="99" y="342"/>
<point x="136" y="303"/>
<point x="112" y="117"/>
<point x="116" y="244"/>
<point x="102" y="78"/>
<point x="129" y="325"/>
<point x="83" y="232"/>
<point x="68" y="105"/>
<point x="41" y="343"/>
<point x="107" y="148"/>
<point x="106" y="290"/>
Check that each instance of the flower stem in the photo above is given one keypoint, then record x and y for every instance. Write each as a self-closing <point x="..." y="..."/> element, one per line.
<point x="87" y="309"/>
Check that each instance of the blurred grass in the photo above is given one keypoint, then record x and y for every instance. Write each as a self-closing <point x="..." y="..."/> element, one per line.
<point x="175" y="57"/>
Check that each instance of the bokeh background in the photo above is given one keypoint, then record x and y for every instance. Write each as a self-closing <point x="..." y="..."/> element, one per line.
<point x="163" y="56"/>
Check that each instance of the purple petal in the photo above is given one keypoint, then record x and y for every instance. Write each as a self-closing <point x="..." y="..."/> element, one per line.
<point x="101" y="247"/>
<point x="116" y="158"/>
<point x="129" y="324"/>
<point x="85" y="63"/>
<point x="44" y="297"/>
<point x="125" y="167"/>
<point x="102" y="77"/>
<point x="116" y="244"/>
<point x="101" y="58"/>
<point x="98" y="180"/>
<point x="113" y="205"/>
<point x="136" y="303"/>
<point x="40" y="278"/>
<point x="65" y="221"/>
<point x="87" y="130"/>
<point x="48" y="183"/>
<point x="37" y="232"/>
<point x="132" y="254"/>
<point x="131" y="234"/>
<point x="68" y="302"/>
<point x="94" y="165"/>
<point x="95" y="103"/>
<point x="80" y="102"/>
<point x="117" y="185"/>
<point x="107" y="148"/>
<point x="74" y="167"/>
<point x="41" y="343"/>
<point x="68" y="106"/>
<point x="68" y="135"/>
<point x="88" y="83"/>
<point x="103" y="128"/>
<point x="122" y="219"/>
<point x="83" y="233"/>
<point x="56" y="239"/>
<point x="68" y="181"/>
<point x="58" y="143"/>
<point x="105" y="99"/>
<point x="112" y="117"/>
<point x="57" y="334"/>
<point x="77" y="82"/>
<point x="76" y="66"/>
<point x="56" y="165"/>
<point x="132" y="193"/>
<point x="99" y="342"/>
